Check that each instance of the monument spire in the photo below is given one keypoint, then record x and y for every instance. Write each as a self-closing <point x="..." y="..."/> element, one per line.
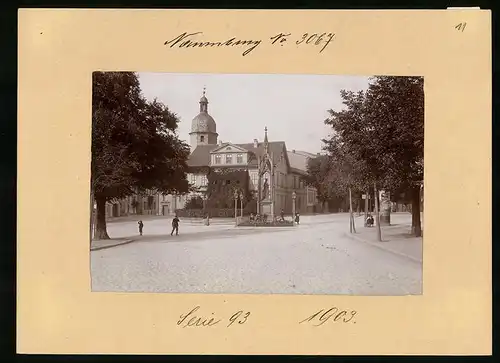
<point x="266" y="141"/>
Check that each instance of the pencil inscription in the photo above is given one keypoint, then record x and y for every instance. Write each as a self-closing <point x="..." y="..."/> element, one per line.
<point x="187" y="40"/>
<point x="335" y="314"/>
<point x="194" y="319"/>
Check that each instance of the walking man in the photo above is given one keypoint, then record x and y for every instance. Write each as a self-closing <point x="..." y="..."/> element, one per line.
<point x="141" y="225"/>
<point x="175" y="226"/>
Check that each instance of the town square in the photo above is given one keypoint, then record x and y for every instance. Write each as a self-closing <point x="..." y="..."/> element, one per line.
<point x="209" y="201"/>
<point x="316" y="257"/>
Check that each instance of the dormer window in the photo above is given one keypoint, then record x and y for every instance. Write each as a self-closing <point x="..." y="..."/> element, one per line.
<point x="218" y="159"/>
<point x="229" y="159"/>
<point x="239" y="158"/>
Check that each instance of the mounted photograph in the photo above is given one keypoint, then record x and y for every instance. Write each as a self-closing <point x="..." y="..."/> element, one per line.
<point x="257" y="184"/>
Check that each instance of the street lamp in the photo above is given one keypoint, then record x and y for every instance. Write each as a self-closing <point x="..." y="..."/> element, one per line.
<point x="241" y="204"/>
<point x="236" y="207"/>
<point x="205" y="199"/>
<point x="294" y="196"/>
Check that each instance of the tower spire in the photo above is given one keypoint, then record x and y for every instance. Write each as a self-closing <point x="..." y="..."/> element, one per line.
<point x="204" y="101"/>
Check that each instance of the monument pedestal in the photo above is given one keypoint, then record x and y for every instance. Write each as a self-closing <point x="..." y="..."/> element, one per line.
<point x="266" y="207"/>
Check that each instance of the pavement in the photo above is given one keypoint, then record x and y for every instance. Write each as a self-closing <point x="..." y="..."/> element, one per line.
<point x="316" y="257"/>
<point x="396" y="238"/>
<point x="101" y="244"/>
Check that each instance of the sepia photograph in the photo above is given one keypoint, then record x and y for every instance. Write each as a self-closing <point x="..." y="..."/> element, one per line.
<point x="257" y="184"/>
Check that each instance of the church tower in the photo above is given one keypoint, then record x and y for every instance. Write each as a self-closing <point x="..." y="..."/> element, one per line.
<point x="203" y="126"/>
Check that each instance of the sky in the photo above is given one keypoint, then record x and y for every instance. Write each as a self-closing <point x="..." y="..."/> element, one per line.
<point x="293" y="107"/>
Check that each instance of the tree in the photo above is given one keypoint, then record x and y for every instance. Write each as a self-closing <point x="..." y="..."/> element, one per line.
<point x="195" y="202"/>
<point x="135" y="147"/>
<point x="318" y="176"/>
<point x="380" y="134"/>
<point x="222" y="183"/>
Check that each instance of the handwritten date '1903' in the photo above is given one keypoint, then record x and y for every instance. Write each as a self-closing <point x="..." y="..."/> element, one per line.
<point x="335" y="314"/>
<point x="314" y="39"/>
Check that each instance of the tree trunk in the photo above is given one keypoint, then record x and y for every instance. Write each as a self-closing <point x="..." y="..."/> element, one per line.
<point x="416" y="225"/>
<point x="377" y="215"/>
<point x="100" y="231"/>
<point x="366" y="206"/>
<point x="351" y="215"/>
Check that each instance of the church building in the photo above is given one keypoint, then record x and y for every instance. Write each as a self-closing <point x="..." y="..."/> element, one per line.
<point x="209" y="152"/>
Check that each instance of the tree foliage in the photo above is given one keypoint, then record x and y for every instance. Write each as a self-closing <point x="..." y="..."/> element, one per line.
<point x="222" y="183"/>
<point x="378" y="138"/>
<point x="195" y="202"/>
<point x="135" y="146"/>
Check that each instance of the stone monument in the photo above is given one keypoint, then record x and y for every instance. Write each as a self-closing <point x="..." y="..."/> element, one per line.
<point x="266" y="182"/>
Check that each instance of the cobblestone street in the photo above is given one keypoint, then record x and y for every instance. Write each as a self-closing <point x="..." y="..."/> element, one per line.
<point x="317" y="257"/>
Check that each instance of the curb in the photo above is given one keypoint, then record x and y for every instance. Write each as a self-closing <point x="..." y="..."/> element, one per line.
<point x="127" y="241"/>
<point x="380" y="246"/>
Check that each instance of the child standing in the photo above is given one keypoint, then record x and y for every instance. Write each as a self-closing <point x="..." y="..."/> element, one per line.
<point x="297" y="218"/>
<point x="141" y="225"/>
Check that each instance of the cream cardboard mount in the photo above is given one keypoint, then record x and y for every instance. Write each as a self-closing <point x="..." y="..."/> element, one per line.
<point x="59" y="50"/>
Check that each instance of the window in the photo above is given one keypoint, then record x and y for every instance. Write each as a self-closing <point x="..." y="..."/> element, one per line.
<point x="255" y="179"/>
<point x="202" y="138"/>
<point x="193" y="178"/>
<point x="218" y="159"/>
<point x="229" y="159"/>
<point x="239" y="158"/>
<point x="204" y="180"/>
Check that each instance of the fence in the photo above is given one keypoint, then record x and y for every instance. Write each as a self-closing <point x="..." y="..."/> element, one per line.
<point x="213" y="213"/>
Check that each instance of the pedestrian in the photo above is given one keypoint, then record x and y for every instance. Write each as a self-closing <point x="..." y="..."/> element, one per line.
<point x="282" y="215"/>
<point x="369" y="221"/>
<point x="141" y="225"/>
<point x="175" y="226"/>
<point x="297" y="218"/>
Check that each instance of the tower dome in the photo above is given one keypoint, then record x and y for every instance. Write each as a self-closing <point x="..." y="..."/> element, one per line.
<point x="203" y="126"/>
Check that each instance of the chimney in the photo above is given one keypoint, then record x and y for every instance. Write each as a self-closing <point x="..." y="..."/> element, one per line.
<point x="255" y="143"/>
<point x="220" y="142"/>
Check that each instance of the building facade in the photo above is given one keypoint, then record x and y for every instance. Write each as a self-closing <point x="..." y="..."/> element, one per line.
<point x="210" y="153"/>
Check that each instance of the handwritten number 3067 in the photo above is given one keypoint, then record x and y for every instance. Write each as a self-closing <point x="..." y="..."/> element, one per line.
<point x="310" y="38"/>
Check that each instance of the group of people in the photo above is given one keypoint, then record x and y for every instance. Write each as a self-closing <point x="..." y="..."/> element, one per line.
<point x="297" y="216"/>
<point x="175" y="226"/>
<point x="258" y="217"/>
<point x="175" y="222"/>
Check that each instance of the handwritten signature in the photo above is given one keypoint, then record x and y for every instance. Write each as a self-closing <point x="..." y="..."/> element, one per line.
<point x="337" y="315"/>
<point x="190" y="40"/>
<point x="194" y="320"/>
